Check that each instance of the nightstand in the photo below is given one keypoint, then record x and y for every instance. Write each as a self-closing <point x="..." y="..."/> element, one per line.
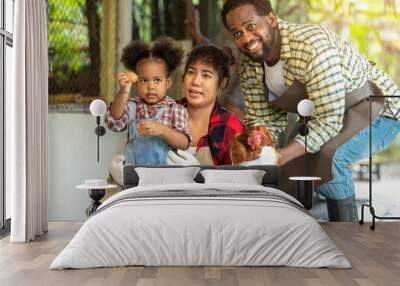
<point x="305" y="187"/>
<point x="96" y="190"/>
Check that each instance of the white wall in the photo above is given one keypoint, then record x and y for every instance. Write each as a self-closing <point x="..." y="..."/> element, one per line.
<point x="73" y="158"/>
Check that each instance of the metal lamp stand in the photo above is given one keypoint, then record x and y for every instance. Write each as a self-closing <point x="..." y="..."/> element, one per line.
<point x="369" y="205"/>
<point x="100" y="131"/>
<point x="305" y="185"/>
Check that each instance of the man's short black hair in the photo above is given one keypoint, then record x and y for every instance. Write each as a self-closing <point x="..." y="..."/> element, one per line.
<point x="263" y="7"/>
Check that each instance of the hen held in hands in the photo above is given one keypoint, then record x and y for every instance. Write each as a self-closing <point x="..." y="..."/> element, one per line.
<point x="253" y="147"/>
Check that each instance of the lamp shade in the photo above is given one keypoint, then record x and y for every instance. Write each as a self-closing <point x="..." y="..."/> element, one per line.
<point x="305" y="107"/>
<point x="98" y="107"/>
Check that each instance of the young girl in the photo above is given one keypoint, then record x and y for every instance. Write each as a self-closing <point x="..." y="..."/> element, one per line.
<point x="154" y="121"/>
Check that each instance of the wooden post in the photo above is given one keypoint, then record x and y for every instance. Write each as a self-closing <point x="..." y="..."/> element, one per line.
<point x="210" y="18"/>
<point x="175" y="18"/>
<point x="108" y="50"/>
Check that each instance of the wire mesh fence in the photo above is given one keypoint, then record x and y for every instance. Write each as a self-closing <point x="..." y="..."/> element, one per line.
<point x="74" y="49"/>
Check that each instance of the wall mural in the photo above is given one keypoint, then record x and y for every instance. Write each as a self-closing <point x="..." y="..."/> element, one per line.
<point x="89" y="60"/>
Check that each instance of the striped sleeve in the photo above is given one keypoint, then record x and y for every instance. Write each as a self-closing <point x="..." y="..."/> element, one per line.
<point x="256" y="108"/>
<point x="117" y="125"/>
<point x="180" y="120"/>
<point x="326" y="88"/>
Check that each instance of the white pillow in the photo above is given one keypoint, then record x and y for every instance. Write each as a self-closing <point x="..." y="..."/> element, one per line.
<point x="164" y="176"/>
<point x="248" y="177"/>
<point x="116" y="168"/>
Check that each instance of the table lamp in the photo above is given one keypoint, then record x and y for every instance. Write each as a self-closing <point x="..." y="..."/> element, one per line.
<point x="98" y="108"/>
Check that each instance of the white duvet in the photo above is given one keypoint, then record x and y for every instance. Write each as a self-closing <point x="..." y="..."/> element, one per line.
<point x="206" y="230"/>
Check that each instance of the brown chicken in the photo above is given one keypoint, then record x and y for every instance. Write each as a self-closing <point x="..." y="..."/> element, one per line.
<point x="247" y="146"/>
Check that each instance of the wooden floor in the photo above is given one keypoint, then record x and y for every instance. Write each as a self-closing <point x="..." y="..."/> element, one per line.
<point x="374" y="255"/>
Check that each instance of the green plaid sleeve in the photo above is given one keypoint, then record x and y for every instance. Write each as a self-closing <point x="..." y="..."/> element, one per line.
<point x="256" y="108"/>
<point x="326" y="88"/>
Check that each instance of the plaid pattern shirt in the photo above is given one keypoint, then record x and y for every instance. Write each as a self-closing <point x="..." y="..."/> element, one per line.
<point x="328" y="66"/>
<point x="223" y="125"/>
<point x="175" y="116"/>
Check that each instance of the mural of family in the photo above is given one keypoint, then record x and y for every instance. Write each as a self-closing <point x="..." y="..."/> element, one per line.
<point x="283" y="63"/>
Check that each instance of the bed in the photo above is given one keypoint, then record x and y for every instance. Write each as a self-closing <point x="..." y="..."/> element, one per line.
<point x="201" y="224"/>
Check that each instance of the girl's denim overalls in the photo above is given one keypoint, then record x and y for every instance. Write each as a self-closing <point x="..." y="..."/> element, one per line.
<point x="144" y="151"/>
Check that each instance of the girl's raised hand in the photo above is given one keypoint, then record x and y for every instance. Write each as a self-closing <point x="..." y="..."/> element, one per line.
<point x="125" y="81"/>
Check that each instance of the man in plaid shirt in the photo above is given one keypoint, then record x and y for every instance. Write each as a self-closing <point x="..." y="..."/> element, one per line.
<point x="278" y="53"/>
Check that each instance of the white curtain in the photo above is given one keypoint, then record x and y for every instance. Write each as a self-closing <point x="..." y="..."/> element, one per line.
<point x="26" y="123"/>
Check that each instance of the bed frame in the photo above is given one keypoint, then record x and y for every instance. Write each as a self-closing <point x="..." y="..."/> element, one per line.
<point x="270" y="178"/>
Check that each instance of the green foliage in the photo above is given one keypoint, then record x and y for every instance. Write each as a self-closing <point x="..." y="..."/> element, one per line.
<point x="73" y="46"/>
<point x="67" y="37"/>
<point x="372" y="28"/>
<point x="363" y="23"/>
<point x="142" y="15"/>
<point x="359" y="36"/>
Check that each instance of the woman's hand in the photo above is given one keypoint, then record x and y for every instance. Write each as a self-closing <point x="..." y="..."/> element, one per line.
<point x="150" y="128"/>
<point x="182" y="157"/>
<point x="116" y="167"/>
<point x="269" y="156"/>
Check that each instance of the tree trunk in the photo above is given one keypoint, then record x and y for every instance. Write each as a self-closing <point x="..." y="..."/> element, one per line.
<point x="209" y="18"/>
<point x="135" y="26"/>
<point x="174" y="11"/>
<point x="94" y="45"/>
<point x="155" y="19"/>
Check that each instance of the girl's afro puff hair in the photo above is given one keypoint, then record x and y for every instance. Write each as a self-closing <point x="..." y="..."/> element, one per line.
<point x="164" y="48"/>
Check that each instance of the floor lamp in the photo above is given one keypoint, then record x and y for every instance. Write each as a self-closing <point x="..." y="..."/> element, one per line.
<point x="369" y="205"/>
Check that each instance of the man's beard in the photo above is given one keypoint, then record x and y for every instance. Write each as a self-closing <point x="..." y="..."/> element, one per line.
<point x="266" y="50"/>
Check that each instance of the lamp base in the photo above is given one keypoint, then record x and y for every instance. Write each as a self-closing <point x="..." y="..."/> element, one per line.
<point x="100" y="130"/>
<point x="96" y="195"/>
<point x="305" y="191"/>
<point x="305" y="187"/>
